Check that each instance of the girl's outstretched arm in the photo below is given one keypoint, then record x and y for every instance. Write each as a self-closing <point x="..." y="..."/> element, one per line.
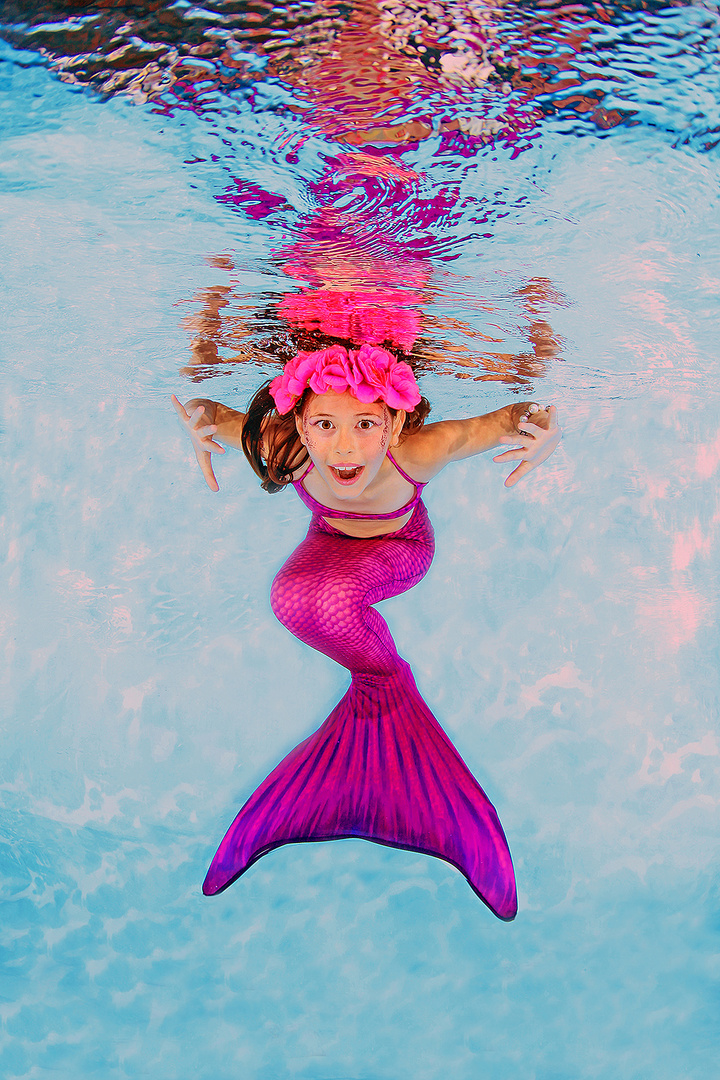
<point x="204" y="419"/>
<point x="533" y="431"/>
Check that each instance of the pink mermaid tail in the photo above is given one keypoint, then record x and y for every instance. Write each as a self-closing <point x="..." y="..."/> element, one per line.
<point x="380" y="767"/>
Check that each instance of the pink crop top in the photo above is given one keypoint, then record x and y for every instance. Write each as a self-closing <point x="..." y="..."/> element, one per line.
<point x="327" y="511"/>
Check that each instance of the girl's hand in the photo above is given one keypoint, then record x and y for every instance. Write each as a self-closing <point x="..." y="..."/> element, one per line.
<point x="201" y="429"/>
<point x="537" y="433"/>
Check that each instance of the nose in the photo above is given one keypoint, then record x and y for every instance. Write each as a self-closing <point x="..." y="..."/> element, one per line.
<point x="345" y="441"/>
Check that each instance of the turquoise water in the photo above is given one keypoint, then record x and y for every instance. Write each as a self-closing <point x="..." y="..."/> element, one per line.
<point x="566" y="636"/>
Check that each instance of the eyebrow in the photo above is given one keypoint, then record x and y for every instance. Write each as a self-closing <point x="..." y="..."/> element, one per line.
<point x="357" y="416"/>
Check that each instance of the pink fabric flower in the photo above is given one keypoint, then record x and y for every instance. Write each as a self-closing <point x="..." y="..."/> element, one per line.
<point x="377" y="372"/>
<point x="369" y="373"/>
<point x="331" y="370"/>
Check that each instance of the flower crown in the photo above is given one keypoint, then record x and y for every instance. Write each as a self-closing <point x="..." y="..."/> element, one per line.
<point x="369" y="373"/>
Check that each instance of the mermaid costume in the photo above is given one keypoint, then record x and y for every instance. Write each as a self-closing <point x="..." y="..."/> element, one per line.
<point x="380" y="768"/>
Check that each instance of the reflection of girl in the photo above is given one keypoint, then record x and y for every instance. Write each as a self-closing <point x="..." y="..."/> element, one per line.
<point x="345" y="427"/>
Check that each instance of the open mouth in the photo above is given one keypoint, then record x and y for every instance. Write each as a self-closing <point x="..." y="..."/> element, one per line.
<point x="346" y="474"/>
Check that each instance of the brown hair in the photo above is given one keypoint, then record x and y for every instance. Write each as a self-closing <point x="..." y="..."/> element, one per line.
<point x="271" y="443"/>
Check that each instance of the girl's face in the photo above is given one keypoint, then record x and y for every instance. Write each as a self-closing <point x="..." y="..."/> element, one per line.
<point x="347" y="440"/>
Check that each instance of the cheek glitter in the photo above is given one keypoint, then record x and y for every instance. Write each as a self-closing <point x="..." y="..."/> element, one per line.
<point x="385" y="430"/>
<point x="309" y="442"/>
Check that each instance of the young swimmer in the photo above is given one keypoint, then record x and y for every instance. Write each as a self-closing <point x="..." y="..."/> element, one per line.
<point x="345" y="428"/>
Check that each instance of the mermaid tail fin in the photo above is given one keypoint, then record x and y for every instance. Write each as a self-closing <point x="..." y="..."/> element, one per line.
<point x="380" y="768"/>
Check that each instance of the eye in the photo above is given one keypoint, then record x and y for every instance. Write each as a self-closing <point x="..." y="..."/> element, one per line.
<point x="366" y="425"/>
<point x="324" y="425"/>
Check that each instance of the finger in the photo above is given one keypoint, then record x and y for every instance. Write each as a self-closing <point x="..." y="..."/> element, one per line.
<point x="535" y="432"/>
<point x="179" y="408"/>
<point x="511" y="455"/>
<point x="536" y="450"/>
<point x="206" y="468"/>
<point x="519" y="439"/>
<point x="529" y="427"/>
<point x="549" y="418"/>
<point x="213" y="447"/>
<point x="517" y="474"/>
<point x="204" y="436"/>
<point x="528" y="464"/>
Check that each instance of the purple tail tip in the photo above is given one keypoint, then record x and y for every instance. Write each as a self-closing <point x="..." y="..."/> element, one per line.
<point x="382" y="769"/>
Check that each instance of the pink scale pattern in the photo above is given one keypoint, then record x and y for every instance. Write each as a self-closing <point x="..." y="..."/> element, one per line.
<point x="380" y="768"/>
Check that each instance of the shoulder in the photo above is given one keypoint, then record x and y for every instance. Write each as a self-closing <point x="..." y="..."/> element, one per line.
<point x="301" y="471"/>
<point x="423" y="453"/>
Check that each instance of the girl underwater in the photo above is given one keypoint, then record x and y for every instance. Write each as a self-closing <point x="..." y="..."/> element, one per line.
<point x="346" y="428"/>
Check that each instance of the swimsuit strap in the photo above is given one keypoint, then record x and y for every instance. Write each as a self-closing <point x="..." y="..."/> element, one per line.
<point x="327" y="511"/>
<point x="415" y="483"/>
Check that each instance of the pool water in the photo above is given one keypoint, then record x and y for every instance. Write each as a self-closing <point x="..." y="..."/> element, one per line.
<point x="542" y="185"/>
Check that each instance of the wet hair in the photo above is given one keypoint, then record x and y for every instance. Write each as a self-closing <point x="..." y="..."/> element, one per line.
<point x="285" y="452"/>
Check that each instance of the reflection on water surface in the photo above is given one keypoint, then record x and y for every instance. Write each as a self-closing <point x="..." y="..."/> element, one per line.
<point x="369" y="84"/>
<point x="395" y="72"/>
